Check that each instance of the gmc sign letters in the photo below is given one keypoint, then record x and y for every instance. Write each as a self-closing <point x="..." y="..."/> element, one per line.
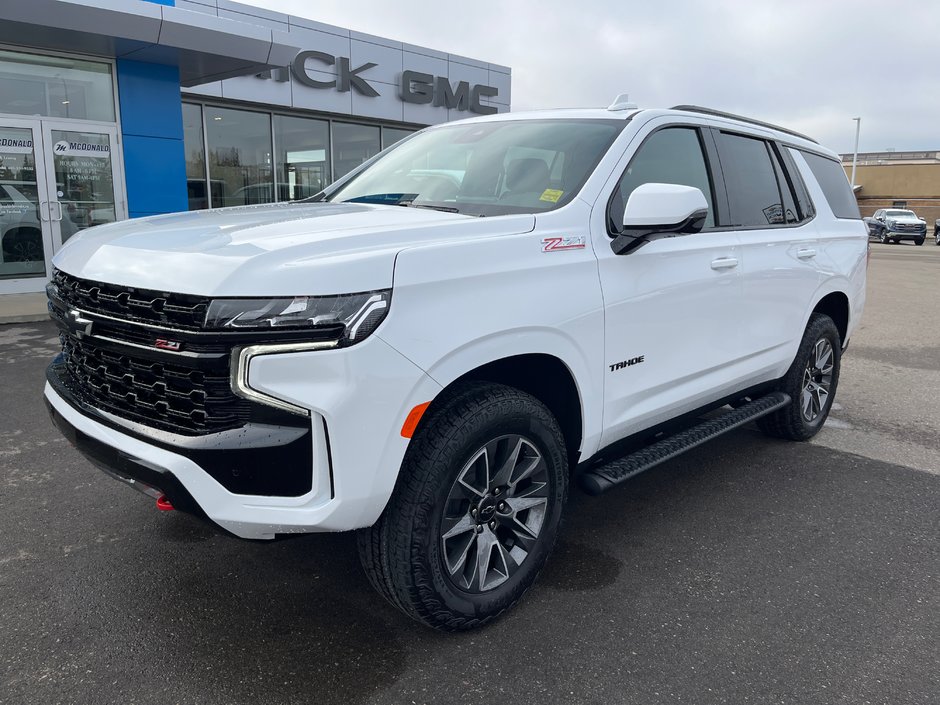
<point x="414" y="86"/>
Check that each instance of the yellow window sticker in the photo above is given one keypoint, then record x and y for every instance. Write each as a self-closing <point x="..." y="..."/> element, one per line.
<point x="551" y="195"/>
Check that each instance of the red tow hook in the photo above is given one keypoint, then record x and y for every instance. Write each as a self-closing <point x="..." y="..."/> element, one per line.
<point x="163" y="504"/>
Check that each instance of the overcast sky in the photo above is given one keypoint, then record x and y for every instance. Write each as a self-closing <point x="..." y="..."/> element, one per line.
<point x="808" y="65"/>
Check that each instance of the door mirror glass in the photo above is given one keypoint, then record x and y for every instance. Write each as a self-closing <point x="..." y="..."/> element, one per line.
<point x="660" y="210"/>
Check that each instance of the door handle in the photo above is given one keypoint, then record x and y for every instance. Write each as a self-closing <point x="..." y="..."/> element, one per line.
<point x="806" y="253"/>
<point x="724" y="263"/>
<point x="58" y="209"/>
<point x="44" y="211"/>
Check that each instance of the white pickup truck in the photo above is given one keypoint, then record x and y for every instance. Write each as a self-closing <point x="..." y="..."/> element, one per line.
<point x="434" y="348"/>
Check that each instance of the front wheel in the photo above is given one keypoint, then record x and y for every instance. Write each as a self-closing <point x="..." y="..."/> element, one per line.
<point x="919" y="241"/>
<point x="811" y="383"/>
<point x="476" y="509"/>
<point x="884" y="237"/>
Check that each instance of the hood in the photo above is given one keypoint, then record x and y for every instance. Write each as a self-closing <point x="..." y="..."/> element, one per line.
<point x="270" y="250"/>
<point x="904" y="219"/>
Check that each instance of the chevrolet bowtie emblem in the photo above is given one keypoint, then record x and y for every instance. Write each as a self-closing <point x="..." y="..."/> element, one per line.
<point x="80" y="326"/>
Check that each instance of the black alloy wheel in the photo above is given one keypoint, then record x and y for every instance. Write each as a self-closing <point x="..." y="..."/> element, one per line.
<point x="475" y="511"/>
<point x="811" y="383"/>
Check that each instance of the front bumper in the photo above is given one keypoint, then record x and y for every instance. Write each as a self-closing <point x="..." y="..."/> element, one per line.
<point x="905" y="235"/>
<point x="358" y="399"/>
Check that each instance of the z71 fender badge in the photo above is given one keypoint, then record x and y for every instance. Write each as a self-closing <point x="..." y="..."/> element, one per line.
<point x="557" y="244"/>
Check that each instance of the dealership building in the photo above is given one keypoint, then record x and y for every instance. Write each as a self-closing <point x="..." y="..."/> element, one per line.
<point x="112" y="109"/>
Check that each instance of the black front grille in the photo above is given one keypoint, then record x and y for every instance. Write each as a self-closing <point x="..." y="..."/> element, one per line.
<point x="173" y="396"/>
<point x="144" y="357"/>
<point x="181" y="311"/>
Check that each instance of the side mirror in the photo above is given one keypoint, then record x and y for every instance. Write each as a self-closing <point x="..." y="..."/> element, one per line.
<point x="660" y="210"/>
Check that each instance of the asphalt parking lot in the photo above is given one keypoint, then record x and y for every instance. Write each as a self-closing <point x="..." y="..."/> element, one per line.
<point x="746" y="571"/>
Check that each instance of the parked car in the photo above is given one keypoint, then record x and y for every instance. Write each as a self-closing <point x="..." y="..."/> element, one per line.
<point x="936" y="230"/>
<point x="20" y="227"/>
<point x="435" y="373"/>
<point x="896" y="224"/>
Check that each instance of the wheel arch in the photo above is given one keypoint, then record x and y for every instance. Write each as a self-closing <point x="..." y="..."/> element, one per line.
<point x="835" y="305"/>
<point x="546" y="377"/>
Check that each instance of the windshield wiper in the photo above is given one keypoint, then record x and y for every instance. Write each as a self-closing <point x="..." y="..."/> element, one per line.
<point x="445" y="209"/>
<point x="399" y="199"/>
<point x="386" y="199"/>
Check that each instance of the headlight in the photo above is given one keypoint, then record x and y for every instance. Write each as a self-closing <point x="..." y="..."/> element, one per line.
<point x="358" y="314"/>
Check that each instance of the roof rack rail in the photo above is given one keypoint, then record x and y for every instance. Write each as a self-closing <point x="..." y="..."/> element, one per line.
<point x="732" y="116"/>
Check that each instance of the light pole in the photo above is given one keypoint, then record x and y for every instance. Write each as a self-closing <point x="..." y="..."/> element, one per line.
<point x="858" y="128"/>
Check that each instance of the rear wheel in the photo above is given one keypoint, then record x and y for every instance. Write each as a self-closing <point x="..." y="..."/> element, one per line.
<point x="811" y="383"/>
<point x="475" y="511"/>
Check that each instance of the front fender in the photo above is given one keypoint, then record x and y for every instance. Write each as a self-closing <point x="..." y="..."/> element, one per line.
<point x="459" y="306"/>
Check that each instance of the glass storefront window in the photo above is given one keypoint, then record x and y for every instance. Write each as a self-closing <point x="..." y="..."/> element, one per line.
<point x="54" y="86"/>
<point x="391" y="135"/>
<point x="240" y="170"/>
<point x="303" y="156"/>
<point x="195" y="146"/>
<point x="84" y="180"/>
<point x="352" y="145"/>
<point x="21" y="248"/>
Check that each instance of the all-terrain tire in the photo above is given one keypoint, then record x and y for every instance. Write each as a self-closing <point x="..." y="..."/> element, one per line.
<point x="791" y="422"/>
<point x="405" y="554"/>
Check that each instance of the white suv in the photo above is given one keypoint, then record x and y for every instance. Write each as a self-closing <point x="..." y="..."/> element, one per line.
<point x="434" y="347"/>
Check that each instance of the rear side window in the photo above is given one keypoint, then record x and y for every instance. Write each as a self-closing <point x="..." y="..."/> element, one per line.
<point x="834" y="184"/>
<point x="751" y="178"/>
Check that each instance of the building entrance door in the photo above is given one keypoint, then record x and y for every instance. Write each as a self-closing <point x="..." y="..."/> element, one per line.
<point x="56" y="178"/>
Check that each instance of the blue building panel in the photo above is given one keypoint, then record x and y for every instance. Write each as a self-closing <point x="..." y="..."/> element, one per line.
<point x="150" y="99"/>
<point x="155" y="174"/>
<point x="152" y="134"/>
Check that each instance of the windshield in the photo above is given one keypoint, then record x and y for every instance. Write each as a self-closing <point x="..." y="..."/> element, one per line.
<point x="486" y="168"/>
<point x="900" y="214"/>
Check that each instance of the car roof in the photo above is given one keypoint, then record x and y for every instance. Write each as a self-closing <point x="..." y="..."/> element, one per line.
<point x="721" y="119"/>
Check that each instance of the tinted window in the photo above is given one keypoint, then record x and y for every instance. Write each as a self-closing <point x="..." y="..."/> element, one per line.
<point x="790" y="213"/>
<point x="803" y="201"/>
<point x="834" y="184"/>
<point x="751" y="180"/>
<point x="670" y="156"/>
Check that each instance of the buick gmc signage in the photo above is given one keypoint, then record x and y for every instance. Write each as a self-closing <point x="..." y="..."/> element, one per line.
<point x="413" y="86"/>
